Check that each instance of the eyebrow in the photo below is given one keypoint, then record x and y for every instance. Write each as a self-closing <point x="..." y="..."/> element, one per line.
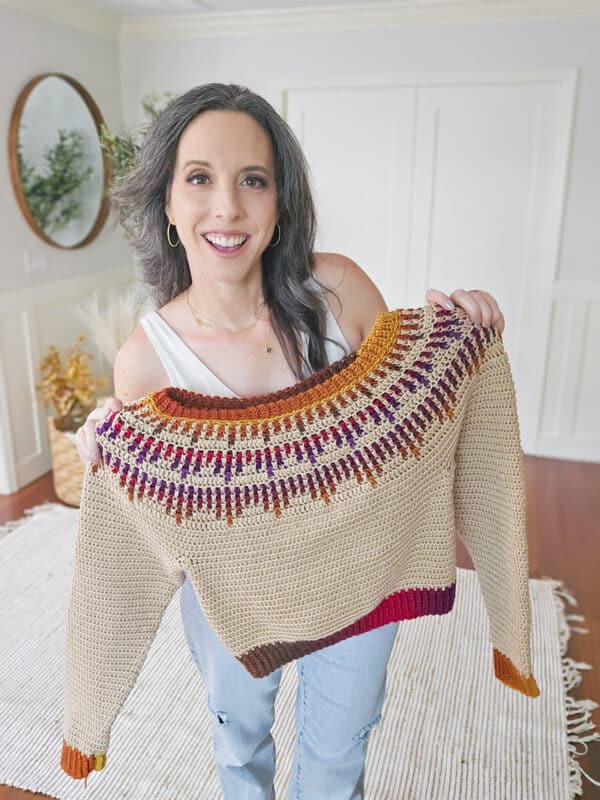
<point x="254" y="167"/>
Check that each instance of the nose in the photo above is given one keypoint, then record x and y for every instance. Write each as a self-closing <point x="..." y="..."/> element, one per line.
<point x="227" y="201"/>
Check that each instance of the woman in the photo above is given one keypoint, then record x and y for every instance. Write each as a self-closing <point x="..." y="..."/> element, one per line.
<point x="220" y="214"/>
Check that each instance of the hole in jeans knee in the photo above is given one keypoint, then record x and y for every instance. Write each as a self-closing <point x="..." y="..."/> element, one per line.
<point x="363" y="733"/>
<point x="220" y="716"/>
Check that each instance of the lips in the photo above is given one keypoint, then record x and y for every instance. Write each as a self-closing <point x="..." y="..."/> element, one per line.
<point x="226" y="250"/>
<point x="225" y="234"/>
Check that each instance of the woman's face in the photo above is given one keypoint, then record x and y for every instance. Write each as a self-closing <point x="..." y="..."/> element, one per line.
<point x="232" y="192"/>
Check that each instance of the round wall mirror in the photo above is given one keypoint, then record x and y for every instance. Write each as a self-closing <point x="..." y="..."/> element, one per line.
<point x="58" y="169"/>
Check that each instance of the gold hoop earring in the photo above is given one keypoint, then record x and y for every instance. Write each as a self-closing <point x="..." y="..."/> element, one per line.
<point x="169" y="236"/>
<point x="279" y="236"/>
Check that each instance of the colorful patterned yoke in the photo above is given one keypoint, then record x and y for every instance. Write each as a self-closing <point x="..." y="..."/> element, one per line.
<point x="303" y="516"/>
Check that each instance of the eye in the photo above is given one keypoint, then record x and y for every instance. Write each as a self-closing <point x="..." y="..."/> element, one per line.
<point x="261" y="182"/>
<point x="192" y="179"/>
<point x="195" y="175"/>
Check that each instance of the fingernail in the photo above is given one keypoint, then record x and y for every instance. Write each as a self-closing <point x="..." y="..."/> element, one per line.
<point x="449" y="305"/>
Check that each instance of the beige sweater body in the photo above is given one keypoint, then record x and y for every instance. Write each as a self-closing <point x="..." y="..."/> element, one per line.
<point x="303" y="516"/>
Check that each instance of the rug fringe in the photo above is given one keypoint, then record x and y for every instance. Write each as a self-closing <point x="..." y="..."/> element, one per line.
<point x="11" y="525"/>
<point x="577" y="711"/>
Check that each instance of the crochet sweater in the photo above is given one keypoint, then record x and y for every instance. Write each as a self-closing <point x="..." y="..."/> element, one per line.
<point x="303" y="516"/>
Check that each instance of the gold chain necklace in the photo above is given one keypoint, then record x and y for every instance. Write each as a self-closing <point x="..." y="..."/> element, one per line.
<point x="239" y="330"/>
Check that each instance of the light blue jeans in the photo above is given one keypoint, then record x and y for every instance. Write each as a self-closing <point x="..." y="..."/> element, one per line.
<point x="339" y="700"/>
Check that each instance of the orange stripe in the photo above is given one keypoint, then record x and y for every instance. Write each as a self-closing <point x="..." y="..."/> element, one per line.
<point x="323" y="385"/>
<point x="77" y="764"/>
<point x="507" y="672"/>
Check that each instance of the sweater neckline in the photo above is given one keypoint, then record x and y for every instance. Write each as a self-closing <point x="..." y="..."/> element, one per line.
<point x="330" y="381"/>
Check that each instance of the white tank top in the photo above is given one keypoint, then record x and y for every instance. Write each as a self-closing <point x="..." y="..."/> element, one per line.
<point x="187" y="371"/>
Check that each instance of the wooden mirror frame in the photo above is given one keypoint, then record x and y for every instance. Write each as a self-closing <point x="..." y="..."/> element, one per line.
<point x="13" y="141"/>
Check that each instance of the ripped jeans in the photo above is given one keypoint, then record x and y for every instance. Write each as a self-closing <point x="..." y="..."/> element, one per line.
<point x="338" y="702"/>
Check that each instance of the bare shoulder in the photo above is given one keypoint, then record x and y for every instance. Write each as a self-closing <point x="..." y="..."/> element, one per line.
<point x="360" y="297"/>
<point x="137" y="369"/>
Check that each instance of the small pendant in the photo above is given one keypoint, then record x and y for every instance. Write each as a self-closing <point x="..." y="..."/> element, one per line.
<point x="269" y="349"/>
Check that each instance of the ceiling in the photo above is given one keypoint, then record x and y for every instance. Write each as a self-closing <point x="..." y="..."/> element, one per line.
<point x="127" y="20"/>
<point x="140" y="8"/>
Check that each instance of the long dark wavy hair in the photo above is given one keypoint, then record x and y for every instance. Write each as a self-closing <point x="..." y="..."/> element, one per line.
<point x="139" y="201"/>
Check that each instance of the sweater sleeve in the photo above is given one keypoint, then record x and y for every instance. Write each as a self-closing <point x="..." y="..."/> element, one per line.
<point x="121" y="585"/>
<point x="489" y="503"/>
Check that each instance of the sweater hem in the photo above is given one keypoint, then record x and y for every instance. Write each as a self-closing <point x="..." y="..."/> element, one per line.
<point x="507" y="672"/>
<point x="78" y="765"/>
<point x="402" y="605"/>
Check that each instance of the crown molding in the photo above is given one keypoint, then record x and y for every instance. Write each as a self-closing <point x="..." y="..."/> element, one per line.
<point x="71" y="15"/>
<point x="367" y="16"/>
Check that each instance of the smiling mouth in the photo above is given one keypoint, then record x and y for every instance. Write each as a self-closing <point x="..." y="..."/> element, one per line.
<point x="222" y="248"/>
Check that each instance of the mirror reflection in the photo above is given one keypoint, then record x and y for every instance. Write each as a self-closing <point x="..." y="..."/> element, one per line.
<point x="60" y="170"/>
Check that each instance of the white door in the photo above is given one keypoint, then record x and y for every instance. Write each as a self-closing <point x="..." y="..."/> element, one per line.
<point x="448" y="182"/>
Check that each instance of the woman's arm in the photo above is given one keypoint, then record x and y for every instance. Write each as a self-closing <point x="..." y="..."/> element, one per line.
<point x="134" y="377"/>
<point x="362" y="300"/>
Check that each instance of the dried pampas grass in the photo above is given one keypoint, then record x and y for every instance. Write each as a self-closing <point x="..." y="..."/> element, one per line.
<point x="111" y="323"/>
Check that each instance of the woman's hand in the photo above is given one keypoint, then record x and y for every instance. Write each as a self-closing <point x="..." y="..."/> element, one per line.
<point x="479" y="305"/>
<point x="86" y="434"/>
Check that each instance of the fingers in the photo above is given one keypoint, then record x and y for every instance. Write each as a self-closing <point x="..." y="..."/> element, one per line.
<point x="498" y="320"/>
<point x="435" y="297"/>
<point x="481" y="307"/>
<point x="112" y="403"/>
<point x="471" y="304"/>
<point x="82" y="442"/>
<point x="85" y="438"/>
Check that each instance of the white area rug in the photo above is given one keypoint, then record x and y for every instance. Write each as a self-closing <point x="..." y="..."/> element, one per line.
<point x="449" y="728"/>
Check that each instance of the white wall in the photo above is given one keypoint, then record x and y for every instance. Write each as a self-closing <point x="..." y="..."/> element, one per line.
<point x="31" y="45"/>
<point x="264" y="62"/>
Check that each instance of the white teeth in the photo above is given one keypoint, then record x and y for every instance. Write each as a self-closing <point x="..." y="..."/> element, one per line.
<point x="223" y="241"/>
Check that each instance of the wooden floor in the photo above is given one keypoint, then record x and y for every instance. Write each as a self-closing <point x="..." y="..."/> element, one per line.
<point x="563" y="525"/>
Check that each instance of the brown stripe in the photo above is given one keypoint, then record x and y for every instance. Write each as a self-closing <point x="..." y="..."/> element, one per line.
<point x="333" y="379"/>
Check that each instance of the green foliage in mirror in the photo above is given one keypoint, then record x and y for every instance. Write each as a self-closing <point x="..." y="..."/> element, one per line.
<point x="52" y="195"/>
<point x="122" y="149"/>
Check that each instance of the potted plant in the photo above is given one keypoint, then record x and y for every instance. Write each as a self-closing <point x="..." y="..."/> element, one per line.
<point x="72" y="389"/>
